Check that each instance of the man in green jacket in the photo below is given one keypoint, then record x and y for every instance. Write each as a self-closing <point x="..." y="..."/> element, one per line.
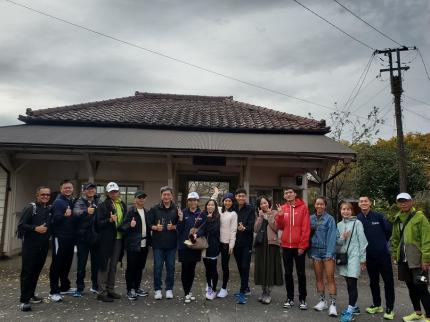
<point x="410" y="244"/>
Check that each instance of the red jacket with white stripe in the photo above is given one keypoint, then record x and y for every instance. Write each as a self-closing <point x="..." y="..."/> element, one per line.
<point x="294" y="221"/>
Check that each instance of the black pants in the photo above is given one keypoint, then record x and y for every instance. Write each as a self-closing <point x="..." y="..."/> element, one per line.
<point x="62" y="257"/>
<point x="225" y="258"/>
<point x="417" y="293"/>
<point x="381" y="266"/>
<point x="351" y="285"/>
<point x="289" y="256"/>
<point x="243" y="261"/>
<point x="33" y="259"/>
<point x="84" y="248"/>
<point x="136" y="262"/>
<point x="211" y="272"/>
<point x="187" y="275"/>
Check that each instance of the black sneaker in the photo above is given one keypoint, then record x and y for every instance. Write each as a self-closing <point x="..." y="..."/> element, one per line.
<point x="25" y="307"/>
<point x="113" y="295"/>
<point x="132" y="295"/>
<point x="141" y="292"/>
<point x="36" y="299"/>
<point x="248" y="291"/>
<point x="104" y="297"/>
<point x="303" y="305"/>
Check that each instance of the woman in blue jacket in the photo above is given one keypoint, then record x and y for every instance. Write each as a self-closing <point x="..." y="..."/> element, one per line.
<point x="323" y="252"/>
<point x="189" y="218"/>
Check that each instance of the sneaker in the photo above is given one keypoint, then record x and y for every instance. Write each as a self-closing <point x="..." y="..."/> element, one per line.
<point x="70" y="291"/>
<point x="77" y="294"/>
<point x="210" y="294"/>
<point x="347" y="316"/>
<point x="25" y="307"/>
<point x="207" y="287"/>
<point x="260" y="298"/>
<point x="114" y="295"/>
<point x="104" y="297"/>
<point x="375" y="309"/>
<point x="332" y="311"/>
<point x="36" y="299"/>
<point x="187" y="298"/>
<point x="241" y="299"/>
<point x="192" y="297"/>
<point x="389" y="314"/>
<point x="141" y="292"/>
<point x="131" y="295"/>
<point x="303" y="305"/>
<point x="248" y="291"/>
<point x="266" y="299"/>
<point x="356" y="310"/>
<point x="413" y="317"/>
<point x="222" y="293"/>
<point x="94" y="290"/>
<point x="169" y="294"/>
<point x="158" y="295"/>
<point x="55" y="297"/>
<point x="322" y="305"/>
<point x="288" y="304"/>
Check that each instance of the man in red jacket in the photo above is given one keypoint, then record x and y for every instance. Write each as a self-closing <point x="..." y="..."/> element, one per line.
<point x="293" y="219"/>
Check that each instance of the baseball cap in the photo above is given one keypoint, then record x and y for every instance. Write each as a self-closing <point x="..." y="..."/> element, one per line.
<point x="112" y="186"/>
<point x="140" y="193"/>
<point x="403" y="195"/>
<point x="89" y="185"/>
<point x="193" y="195"/>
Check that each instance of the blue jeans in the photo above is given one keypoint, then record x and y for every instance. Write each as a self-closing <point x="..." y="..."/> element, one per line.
<point x="162" y="256"/>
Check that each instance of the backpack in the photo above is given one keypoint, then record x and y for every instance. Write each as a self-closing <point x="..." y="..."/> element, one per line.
<point x="19" y="233"/>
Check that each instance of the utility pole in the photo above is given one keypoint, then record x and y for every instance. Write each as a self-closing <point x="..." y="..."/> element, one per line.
<point x="397" y="90"/>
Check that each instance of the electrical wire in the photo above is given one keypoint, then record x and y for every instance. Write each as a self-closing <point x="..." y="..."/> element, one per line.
<point x="424" y="64"/>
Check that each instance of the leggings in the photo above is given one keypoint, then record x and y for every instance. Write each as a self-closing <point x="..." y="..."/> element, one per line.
<point x="187" y="276"/>
<point x="211" y="272"/>
<point x="351" y="283"/>
<point x="225" y="257"/>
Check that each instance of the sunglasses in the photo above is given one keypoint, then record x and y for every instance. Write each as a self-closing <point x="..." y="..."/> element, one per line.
<point x="141" y="197"/>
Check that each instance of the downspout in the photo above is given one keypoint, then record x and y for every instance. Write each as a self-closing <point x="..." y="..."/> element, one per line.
<point x="6" y="199"/>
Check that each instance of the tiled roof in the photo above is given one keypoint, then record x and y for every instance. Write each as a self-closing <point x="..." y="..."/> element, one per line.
<point x="171" y="111"/>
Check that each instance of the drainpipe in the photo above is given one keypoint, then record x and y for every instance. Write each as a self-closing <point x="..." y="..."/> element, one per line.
<point x="6" y="199"/>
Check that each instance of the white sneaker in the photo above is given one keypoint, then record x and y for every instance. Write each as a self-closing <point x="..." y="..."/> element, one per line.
<point x="322" y="305"/>
<point x="210" y="294"/>
<point x="55" y="297"/>
<point x="94" y="291"/>
<point x="332" y="311"/>
<point x="222" y="293"/>
<point x="187" y="298"/>
<point x="192" y="297"/>
<point x="169" y="294"/>
<point x="71" y="290"/>
<point x="207" y="287"/>
<point x="158" y="295"/>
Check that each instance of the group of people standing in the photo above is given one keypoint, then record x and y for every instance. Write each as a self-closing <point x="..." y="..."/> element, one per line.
<point x="279" y="235"/>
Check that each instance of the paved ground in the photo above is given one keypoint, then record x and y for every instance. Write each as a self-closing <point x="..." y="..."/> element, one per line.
<point x="88" y="308"/>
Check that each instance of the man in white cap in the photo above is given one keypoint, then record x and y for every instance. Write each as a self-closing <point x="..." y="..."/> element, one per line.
<point x="109" y="218"/>
<point x="410" y="244"/>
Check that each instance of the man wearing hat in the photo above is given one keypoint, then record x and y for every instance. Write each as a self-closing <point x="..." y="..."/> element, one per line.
<point x="84" y="210"/>
<point x="137" y="238"/>
<point x="410" y="244"/>
<point x="110" y="215"/>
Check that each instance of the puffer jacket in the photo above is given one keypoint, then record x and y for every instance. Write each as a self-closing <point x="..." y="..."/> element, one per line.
<point x="294" y="222"/>
<point x="416" y="238"/>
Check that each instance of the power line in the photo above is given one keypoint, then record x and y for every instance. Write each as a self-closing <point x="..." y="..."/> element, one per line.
<point x="333" y="25"/>
<point x="371" y="98"/>
<point x="425" y="67"/>
<point x="124" y="42"/>
<point x="417" y="114"/>
<point x="362" y="20"/>
<point x="417" y="100"/>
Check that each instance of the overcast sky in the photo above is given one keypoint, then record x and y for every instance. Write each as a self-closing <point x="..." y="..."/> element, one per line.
<point x="275" y="44"/>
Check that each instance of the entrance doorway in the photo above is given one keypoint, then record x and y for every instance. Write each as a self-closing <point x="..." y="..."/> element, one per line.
<point x="203" y="185"/>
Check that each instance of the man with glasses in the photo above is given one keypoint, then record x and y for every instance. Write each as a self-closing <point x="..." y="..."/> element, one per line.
<point x="109" y="218"/>
<point x="33" y="227"/>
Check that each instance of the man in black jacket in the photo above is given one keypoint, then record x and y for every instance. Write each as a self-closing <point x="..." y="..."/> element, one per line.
<point x="244" y="238"/>
<point x="137" y="239"/>
<point x="84" y="210"/>
<point x="63" y="230"/>
<point x="33" y="227"/>
<point x="109" y="218"/>
<point x="163" y="220"/>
